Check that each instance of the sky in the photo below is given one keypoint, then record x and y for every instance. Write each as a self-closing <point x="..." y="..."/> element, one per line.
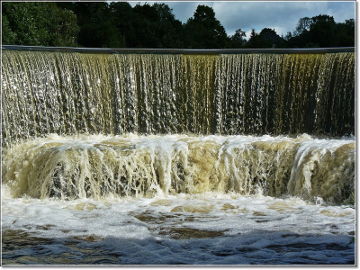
<point x="281" y="16"/>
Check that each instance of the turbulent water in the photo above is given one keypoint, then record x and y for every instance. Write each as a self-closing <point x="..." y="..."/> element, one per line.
<point x="71" y="93"/>
<point x="138" y="159"/>
<point x="207" y="228"/>
<point x="102" y="166"/>
<point x="179" y="199"/>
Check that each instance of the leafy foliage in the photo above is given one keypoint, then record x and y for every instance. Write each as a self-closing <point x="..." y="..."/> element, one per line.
<point x="118" y="24"/>
<point x="266" y="39"/>
<point x="203" y="30"/>
<point x="38" y="23"/>
<point x="238" y="39"/>
<point x="322" y="31"/>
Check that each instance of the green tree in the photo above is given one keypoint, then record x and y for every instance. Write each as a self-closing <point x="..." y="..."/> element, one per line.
<point x="35" y="23"/>
<point x="9" y="36"/>
<point x="65" y="28"/>
<point x="254" y="40"/>
<point x="238" y="39"/>
<point x="322" y="31"/>
<point x="170" y="30"/>
<point x="155" y="26"/>
<point x="303" y="25"/>
<point x="270" y="39"/>
<point x="288" y="36"/>
<point x="97" y="27"/>
<point x="144" y="25"/>
<point x="203" y="30"/>
<point x="267" y="38"/>
<point x="117" y="24"/>
<point x="345" y="33"/>
<point x="123" y="17"/>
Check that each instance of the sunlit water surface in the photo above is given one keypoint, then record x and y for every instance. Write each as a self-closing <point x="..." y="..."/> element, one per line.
<point x="208" y="228"/>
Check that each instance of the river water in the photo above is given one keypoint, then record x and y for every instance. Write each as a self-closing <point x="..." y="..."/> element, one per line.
<point x="178" y="159"/>
<point x="178" y="199"/>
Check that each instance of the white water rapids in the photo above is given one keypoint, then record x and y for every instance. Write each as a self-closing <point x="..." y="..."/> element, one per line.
<point x="176" y="199"/>
<point x="100" y="166"/>
<point x="207" y="228"/>
<point x="168" y="179"/>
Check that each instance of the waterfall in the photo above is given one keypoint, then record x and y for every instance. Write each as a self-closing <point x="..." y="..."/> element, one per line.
<point x="98" y="166"/>
<point x="78" y="125"/>
<point x="78" y="93"/>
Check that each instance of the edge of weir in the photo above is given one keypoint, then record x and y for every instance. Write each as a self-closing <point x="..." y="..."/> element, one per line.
<point x="179" y="51"/>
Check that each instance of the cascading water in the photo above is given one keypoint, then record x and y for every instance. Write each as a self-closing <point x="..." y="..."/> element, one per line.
<point x="71" y="93"/>
<point x="99" y="166"/>
<point x="103" y="148"/>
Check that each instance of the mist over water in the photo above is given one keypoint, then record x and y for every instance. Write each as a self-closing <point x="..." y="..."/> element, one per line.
<point x="171" y="159"/>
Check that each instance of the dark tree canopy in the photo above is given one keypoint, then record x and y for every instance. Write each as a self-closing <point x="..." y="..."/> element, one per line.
<point x="156" y="27"/>
<point x="118" y="24"/>
<point x="266" y="39"/>
<point x="95" y="31"/>
<point x="203" y="30"/>
<point x="38" y="23"/>
<point x="238" y="39"/>
<point x="322" y="31"/>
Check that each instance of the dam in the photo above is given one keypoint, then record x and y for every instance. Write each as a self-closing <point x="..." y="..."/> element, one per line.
<point x="173" y="144"/>
<point x="227" y="94"/>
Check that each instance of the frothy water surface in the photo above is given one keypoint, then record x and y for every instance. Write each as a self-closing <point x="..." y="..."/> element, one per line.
<point x="122" y="198"/>
<point x="209" y="228"/>
<point x="179" y="199"/>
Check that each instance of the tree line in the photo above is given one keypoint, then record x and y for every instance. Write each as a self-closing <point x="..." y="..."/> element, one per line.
<point x="119" y="25"/>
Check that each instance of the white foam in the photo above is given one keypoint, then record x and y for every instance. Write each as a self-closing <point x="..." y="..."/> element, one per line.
<point x="250" y="223"/>
<point x="116" y="217"/>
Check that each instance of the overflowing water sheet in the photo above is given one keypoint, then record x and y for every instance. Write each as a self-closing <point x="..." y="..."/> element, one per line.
<point x="177" y="199"/>
<point x="72" y="93"/>
<point x="137" y="158"/>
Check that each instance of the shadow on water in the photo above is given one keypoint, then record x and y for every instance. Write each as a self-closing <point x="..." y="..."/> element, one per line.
<point x="258" y="247"/>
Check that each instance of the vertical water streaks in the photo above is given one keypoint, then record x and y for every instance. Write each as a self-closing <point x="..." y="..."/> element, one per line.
<point x="98" y="166"/>
<point x="72" y="93"/>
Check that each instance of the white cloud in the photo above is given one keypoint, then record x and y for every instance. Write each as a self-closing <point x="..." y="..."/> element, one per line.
<point x="281" y="16"/>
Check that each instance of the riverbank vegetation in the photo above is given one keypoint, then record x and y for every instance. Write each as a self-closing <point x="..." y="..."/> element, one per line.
<point x="119" y="25"/>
